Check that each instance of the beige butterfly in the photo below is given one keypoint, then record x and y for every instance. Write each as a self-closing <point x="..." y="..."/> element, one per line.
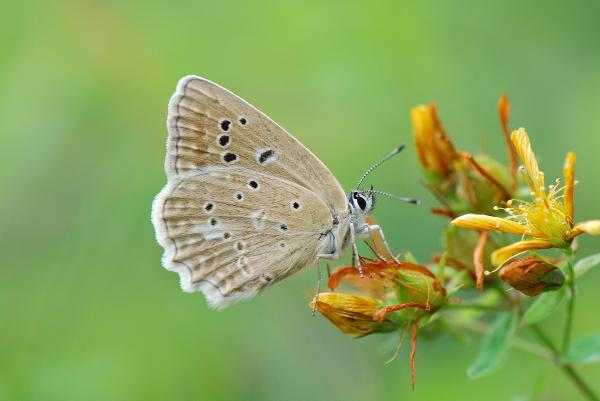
<point x="246" y="205"/>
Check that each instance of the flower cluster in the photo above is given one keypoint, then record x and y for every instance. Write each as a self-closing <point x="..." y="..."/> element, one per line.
<point x="393" y="295"/>
<point x="485" y="202"/>
<point x="396" y="294"/>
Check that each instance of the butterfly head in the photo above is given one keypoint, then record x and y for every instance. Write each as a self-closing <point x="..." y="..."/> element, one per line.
<point x="362" y="201"/>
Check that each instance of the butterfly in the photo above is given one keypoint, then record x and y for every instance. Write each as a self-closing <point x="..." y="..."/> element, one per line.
<point x="247" y="205"/>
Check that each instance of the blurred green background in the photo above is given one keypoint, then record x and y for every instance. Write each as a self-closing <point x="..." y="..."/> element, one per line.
<point x="86" y="310"/>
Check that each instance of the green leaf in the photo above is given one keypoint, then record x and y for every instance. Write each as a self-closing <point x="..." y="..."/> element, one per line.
<point x="543" y="306"/>
<point x="584" y="350"/>
<point x="494" y="346"/>
<point x="585" y="264"/>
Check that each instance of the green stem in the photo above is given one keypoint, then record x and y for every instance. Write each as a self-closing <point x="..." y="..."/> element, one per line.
<point x="567" y="368"/>
<point x="478" y="306"/>
<point x="554" y="353"/>
<point x="570" y="300"/>
<point x="531" y="348"/>
<point x="544" y="339"/>
<point x="581" y="385"/>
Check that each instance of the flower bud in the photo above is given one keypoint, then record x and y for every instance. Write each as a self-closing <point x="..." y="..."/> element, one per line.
<point x="434" y="148"/>
<point x="352" y="314"/>
<point x="532" y="276"/>
<point x="418" y="285"/>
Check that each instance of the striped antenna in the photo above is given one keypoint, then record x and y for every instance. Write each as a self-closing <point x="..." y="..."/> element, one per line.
<point x="379" y="163"/>
<point x="400" y="198"/>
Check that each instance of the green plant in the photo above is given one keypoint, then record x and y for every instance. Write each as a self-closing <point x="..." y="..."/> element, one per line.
<point x="463" y="295"/>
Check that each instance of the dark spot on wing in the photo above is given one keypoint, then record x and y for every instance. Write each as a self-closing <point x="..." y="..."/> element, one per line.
<point x="223" y="140"/>
<point x="225" y="125"/>
<point x="265" y="156"/>
<point x="230" y="157"/>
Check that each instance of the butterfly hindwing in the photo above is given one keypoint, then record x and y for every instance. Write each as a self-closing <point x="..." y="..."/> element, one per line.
<point x="230" y="231"/>
<point x="210" y="126"/>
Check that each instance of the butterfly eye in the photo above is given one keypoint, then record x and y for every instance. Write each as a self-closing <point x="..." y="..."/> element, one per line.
<point x="361" y="202"/>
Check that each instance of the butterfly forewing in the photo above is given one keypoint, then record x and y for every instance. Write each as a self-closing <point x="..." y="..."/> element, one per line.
<point x="229" y="231"/>
<point x="210" y="126"/>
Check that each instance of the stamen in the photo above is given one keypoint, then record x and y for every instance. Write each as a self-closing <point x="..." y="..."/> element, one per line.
<point x="526" y="178"/>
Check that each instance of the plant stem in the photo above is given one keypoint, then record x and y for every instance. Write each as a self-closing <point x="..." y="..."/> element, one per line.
<point x="570" y="300"/>
<point x="543" y="338"/>
<point x="478" y="306"/>
<point x="555" y="355"/>
<point x="567" y="368"/>
<point x="578" y="381"/>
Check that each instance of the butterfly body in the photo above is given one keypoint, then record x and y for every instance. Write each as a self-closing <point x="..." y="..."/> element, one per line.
<point x="246" y="205"/>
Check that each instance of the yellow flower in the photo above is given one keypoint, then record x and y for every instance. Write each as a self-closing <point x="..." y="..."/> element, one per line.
<point x="547" y="218"/>
<point x="352" y="314"/>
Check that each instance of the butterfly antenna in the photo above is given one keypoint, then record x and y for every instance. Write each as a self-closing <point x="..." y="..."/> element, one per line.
<point x="379" y="163"/>
<point x="400" y="198"/>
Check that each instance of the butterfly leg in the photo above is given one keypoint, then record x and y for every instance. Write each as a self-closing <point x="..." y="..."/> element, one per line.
<point x="355" y="256"/>
<point x="330" y="256"/>
<point x="372" y="228"/>
<point x="329" y="276"/>
<point x="314" y="306"/>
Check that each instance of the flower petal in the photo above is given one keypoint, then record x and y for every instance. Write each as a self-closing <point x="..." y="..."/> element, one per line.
<point x="501" y="255"/>
<point x="520" y="139"/>
<point x="504" y="112"/>
<point x="434" y="148"/>
<point x="591" y="227"/>
<point x="484" y="222"/>
<point x="569" y="172"/>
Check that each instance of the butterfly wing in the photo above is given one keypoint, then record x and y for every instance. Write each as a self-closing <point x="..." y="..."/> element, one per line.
<point x="229" y="231"/>
<point x="210" y="126"/>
